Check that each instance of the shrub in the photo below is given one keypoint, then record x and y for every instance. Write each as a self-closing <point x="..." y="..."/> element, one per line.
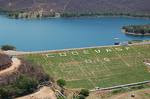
<point x="8" y="47"/>
<point x="26" y="84"/>
<point x="120" y="90"/>
<point x="61" y="82"/>
<point x="23" y="85"/>
<point x="3" y="93"/>
<point x="137" y="87"/>
<point x="84" y="92"/>
<point x="129" y="42"/>
<point x="81" y="97"/>
<point x="23" y="82"/>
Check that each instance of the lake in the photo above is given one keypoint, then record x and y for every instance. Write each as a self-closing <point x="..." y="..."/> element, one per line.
<point x="62" y="33"/>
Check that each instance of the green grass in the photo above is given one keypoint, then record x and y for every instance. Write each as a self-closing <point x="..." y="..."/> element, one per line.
<point x="89" y="69"/>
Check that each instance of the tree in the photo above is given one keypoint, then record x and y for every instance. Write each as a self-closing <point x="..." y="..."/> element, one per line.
<point x="24" y="85"/>
<point x="61" y="82"/>
<point x="84" y="92"/>
<point x="8" y="47"/>
<point x="81" y="97"/>
<point x="3" y="93"/>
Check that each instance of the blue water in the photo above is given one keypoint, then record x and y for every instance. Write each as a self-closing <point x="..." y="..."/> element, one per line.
<point x="62" y="33"/>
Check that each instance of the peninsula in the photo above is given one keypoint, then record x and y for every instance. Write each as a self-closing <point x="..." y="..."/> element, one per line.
<point x="137" y="29"/>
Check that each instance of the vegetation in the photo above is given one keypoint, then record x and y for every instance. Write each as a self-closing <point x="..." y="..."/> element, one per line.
<point x="60" y="97"/>
<point x="7" y="47"/>
<point x="120" y="90"/>
<point x="138" y="91"/>
<point x="82" y="95"/>
<point x="104" y="14"/>
<point x="96" y="67"/>
<point x="130" y="88"/>
<point x="61" y="82"/>
<point x="23" y="85"/>
<point x="84" y="92"/>
<point x="137" y="29"/>
<point x="78" y="7"/>
<point x="22" y="82"/>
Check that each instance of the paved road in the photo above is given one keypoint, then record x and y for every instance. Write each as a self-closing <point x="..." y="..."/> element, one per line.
<point x="15" y="53"/>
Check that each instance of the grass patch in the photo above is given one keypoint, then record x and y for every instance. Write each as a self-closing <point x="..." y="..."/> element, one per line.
<point x="102" y="67"/>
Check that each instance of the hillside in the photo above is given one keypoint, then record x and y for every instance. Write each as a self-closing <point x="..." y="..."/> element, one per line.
<point x="96" y="67"/>
<point x="136" y="7"/>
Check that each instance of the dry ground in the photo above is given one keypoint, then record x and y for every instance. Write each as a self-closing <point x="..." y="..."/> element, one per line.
<point x="139" y="94"/>
<point x="43" y="93"/>
<point x="15" y="64"/>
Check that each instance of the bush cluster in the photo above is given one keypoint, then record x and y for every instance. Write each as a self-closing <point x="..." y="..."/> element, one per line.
<point x="23" y="85"/>
<point x="7" y="47"/>
<point x="137" y="28"/>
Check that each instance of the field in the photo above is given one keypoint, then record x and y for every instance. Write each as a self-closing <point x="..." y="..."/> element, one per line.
<point x="102" y="67"/>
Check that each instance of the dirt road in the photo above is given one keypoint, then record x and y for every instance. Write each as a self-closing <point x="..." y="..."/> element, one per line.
<point x="15" y="64"/>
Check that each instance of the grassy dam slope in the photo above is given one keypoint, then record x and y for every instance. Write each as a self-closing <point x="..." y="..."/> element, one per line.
<point x="92" y="67"/>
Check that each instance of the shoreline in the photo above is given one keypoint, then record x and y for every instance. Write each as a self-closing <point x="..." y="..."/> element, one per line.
<point x="10" y="14"/>
<point x="17" y="53"/>
<point x="94" y="16"/>
<point x="135" y="34"/>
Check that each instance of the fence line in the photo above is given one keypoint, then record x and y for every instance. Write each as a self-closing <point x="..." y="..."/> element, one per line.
<point x="121" y="86"/>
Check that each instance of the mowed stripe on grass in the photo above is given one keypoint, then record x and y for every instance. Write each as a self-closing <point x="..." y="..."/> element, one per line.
<point x="102" y="67"/>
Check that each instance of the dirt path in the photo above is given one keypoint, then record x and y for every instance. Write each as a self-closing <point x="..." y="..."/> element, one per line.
<point x="15" y="64"/>
<point x="43" y="93"/>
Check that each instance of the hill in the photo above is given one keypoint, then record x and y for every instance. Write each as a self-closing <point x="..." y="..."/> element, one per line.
<point x="79" y="7"/>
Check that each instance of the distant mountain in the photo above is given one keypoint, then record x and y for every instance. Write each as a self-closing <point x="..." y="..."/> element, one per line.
<point x="78" y="6"/>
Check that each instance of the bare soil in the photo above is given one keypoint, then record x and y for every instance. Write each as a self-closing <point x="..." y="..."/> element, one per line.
<point x="43" y="93"/>
<point x="15" y="65"/>
<point x="139" y="94"/>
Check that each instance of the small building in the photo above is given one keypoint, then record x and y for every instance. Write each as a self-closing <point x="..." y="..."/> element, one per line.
<point x="5" y="61"/>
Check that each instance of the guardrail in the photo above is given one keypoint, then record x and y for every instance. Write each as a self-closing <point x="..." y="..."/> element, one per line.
<point x="120" y="86"/>
<point x="47" y="51"/>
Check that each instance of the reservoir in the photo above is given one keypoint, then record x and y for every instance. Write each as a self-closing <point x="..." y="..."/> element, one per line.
<point x="63" y="33"/>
